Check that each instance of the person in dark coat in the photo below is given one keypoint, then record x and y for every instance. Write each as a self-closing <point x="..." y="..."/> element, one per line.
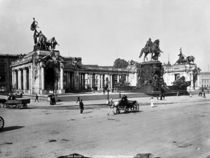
<point x="36" y="98"/>
<point x="81" y="106"/>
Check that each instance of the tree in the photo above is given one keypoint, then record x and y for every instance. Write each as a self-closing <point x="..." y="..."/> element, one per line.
<point x="120" y="63"/>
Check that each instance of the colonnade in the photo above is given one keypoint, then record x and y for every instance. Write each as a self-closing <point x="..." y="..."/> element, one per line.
<point x="91" y="80"/>
<point x="21" y="79"/>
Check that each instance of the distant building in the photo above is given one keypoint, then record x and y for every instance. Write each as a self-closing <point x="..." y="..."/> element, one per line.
<point x="5" y="72"/>
<point x="204" y="79"/>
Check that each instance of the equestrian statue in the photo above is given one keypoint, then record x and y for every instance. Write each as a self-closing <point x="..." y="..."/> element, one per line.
<point x="40" y="40"/>
<point x="151" y="48"/>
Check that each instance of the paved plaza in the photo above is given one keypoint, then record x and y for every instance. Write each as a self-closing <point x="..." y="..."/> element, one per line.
<point x="177" y="127"/>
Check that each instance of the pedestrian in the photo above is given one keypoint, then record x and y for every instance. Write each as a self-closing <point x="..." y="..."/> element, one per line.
<point x="81" y="106"/>
<point x="162" y="93"/>
<point x="36" y="98"/>
<point x="78" y="99"/>
<point x="152" y="102"/>
<point x="204" y="94"/>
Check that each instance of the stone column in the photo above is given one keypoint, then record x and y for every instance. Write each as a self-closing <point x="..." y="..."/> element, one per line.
<point x="118" y="78"/>
<point x="103" y="80"/>
<point x="30" y="79"/>
<point x="60" y="88"/>
<point x="13" y="79"/>
<point x="101" y="76"/>
<point x="91" y="80"/>
<point x="191" y="80"/>
<point x="19" y="79"/>
<point x="86" y="80"/>
<point x="24" y="80"/>
<point x="61" y="78"/>
<point x="127" y="78"/>
<point x="99" y="81"/>
<point x="110" y="77"/>
<point x="42" y="78"/>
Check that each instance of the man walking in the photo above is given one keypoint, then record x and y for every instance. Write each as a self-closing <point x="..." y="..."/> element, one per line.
<point x="81" y="106"/>
<point x="36" y="98"/>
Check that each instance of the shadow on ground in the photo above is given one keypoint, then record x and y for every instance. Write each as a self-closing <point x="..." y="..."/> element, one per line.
<point x="10" y="128"/>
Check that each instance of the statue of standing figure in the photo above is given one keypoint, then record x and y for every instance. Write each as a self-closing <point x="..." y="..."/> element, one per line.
<point x="40" y="40"/>
<point x="151" y="48"/>
<point x="181" y="57"/>
<point x="34" y="27"/>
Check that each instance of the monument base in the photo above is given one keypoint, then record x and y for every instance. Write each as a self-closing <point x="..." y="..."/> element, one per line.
<point x="150" y="77"/>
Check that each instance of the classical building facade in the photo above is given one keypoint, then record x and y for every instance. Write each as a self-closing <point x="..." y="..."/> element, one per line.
<point x="44" y="72"/>
<point x="184" y="67"/>
<point x="5" y="72"/>
<point x="174" y="72"/>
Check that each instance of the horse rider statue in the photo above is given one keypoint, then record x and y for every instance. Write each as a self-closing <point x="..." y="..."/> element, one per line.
<point x="151" y="48"/>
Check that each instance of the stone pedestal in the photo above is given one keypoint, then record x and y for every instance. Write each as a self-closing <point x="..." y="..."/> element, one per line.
<point x="150" y="76"/>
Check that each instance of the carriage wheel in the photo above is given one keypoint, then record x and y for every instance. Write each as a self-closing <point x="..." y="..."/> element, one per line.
<point x="1" y="122"/>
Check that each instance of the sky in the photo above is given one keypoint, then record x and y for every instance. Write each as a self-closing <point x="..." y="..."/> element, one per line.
<point x="101" y="31"/>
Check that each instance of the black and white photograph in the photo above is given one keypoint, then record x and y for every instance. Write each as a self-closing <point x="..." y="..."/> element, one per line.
<point x="104" y="79"/>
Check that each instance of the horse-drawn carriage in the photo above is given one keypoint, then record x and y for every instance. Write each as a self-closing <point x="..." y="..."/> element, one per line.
<point x="19" y="103"/>
<point x="14" y="101"/>
<point x="124" y="105"/>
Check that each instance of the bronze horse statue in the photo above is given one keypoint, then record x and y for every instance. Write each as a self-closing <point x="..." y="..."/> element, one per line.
<point x="187" y="60"/>
<point x="154" y="50"/>
<point x="190" y="59"/>
<point x="51" y="43"/>
<point x="44" y="44"/>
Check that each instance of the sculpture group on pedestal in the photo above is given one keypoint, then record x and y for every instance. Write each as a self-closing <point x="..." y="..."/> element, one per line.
<point x="150" y="73"/>
<point x="185" y="60"/>
<point x="40" y="40"/>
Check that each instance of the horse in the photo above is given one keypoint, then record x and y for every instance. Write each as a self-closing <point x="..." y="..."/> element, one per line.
<point x="190" y="59"/>
<point x="51" y="43"/>
<point x="42" y="41"/>
<point x="144" y="51"/>
<point x="154" y="50"/>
